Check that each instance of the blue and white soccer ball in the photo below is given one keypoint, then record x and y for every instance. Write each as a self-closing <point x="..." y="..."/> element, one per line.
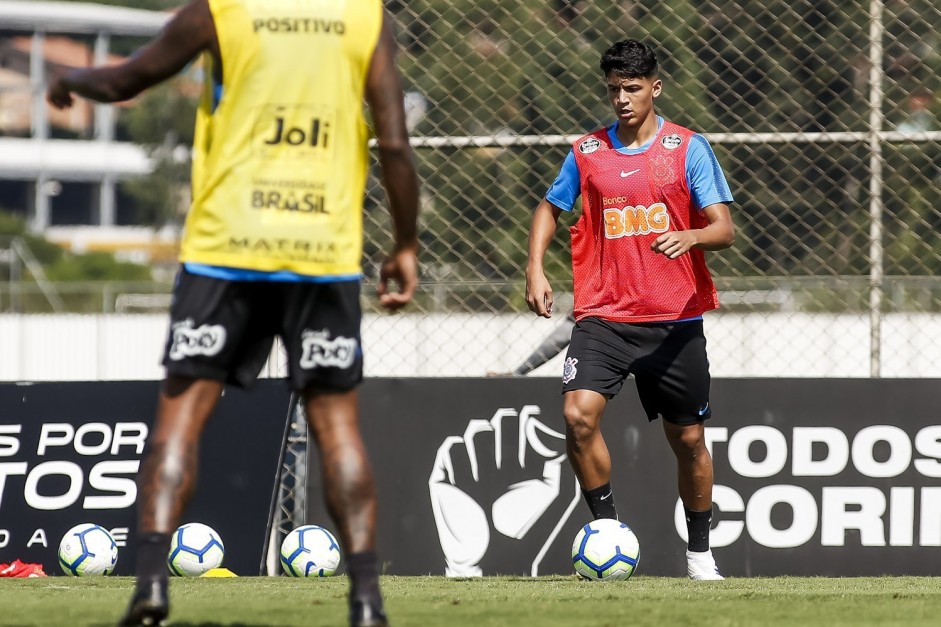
<point x="310" y="551"/>
<point x="195" y="549"/>
<point x="87" y="549"/>
<point x="605" y="550"/>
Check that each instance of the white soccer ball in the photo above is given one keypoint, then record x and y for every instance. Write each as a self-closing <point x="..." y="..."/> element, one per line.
<point x="310" y="551"/>
<point x="87" y="549"/>
<point x="605" y="549"/>
<point x="195" y="549"/>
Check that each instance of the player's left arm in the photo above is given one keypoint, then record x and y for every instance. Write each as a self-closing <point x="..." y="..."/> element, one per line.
<point x="710" y="192"/>
<point x="399" y="173"/>
<point x="718" y="235"/>
<point x="190" y="32"/>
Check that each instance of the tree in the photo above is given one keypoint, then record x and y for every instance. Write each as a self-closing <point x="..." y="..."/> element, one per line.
<point x="163" y="121"/>
<point x="60" y="265"/>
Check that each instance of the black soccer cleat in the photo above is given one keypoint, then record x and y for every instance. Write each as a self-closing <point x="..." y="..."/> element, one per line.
<point x="149" y="606"/>
<point x="367" y="613"/>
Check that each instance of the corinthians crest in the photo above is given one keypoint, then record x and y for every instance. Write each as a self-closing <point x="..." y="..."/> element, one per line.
<point x="569" y="370"/>
<point x="671" y="142"/>
<point x="589" y="146"/>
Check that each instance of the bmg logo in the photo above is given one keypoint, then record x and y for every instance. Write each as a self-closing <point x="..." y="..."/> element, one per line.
<point x="639" y="220"/>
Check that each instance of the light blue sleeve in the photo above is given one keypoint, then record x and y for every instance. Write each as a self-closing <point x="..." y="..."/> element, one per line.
<point x="567" y="186"/>
<point x="707" y="183"/>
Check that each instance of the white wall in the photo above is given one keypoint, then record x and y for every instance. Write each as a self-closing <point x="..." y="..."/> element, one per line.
<point x="129" y="347"/>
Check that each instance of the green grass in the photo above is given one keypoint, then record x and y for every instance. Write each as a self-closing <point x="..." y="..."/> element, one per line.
<point x="511" y="601"/>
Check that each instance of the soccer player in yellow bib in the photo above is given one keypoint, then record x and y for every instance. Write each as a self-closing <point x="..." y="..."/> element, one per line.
<point x="273" y="244"/>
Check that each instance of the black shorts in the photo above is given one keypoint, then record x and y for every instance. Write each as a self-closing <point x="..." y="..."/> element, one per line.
<point x="668" y="361"/>
<point x="223" y="330"/>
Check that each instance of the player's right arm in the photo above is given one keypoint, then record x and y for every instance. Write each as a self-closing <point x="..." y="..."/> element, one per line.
<point x="387" y="104"/>
<point x="190" y="32"/>
<point x="541" y="232"/>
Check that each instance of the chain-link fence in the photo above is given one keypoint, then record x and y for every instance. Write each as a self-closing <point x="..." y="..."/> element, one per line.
<point x="823" y="115"/>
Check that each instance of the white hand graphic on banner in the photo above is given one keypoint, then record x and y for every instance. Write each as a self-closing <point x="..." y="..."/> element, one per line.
<point x="464" y="521"/>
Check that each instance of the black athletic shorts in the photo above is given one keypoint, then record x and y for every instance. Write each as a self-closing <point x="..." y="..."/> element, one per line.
<point x="223" y="330"/>
<point x="668" y="361"/>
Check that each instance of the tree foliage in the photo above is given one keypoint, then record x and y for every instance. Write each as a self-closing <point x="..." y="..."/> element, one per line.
<point x="61" y="265"/>
<point x="163" y="121"/>
<point x="728" y="66"/>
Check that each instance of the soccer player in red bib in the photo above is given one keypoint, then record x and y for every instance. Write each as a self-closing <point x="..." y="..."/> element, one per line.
<point x="653" y="199"/>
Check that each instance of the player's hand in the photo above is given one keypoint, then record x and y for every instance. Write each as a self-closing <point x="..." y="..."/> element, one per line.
<point x="402" y="267"/>
<point x="674" y="243"/>
<point x="538" y="294"/>
<point x="59" y="96"/>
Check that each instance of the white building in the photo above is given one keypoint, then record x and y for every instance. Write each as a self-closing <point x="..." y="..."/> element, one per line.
<point x="58" y="181"/>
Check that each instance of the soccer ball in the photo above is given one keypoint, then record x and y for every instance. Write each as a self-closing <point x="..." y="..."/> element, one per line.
<point x="87" y="549"/>
<point x="194" y="550"/>
<point x="310" y="551"/>
<point x="605" y="549"/>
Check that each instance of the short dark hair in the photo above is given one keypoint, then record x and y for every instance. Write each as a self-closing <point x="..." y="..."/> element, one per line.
<point x="629" y="59"/>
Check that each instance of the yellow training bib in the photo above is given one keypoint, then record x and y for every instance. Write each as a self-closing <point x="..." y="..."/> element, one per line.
<point x="280" y="161"/>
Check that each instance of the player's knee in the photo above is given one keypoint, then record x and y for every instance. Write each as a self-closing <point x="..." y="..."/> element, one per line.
<point x="170" y="465"/>
<point x="690" y="440"/>
<point x="580" y="424"/>
<point x="178" y="473"/>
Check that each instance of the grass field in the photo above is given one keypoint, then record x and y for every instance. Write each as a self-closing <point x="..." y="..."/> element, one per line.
<point x="511" y="601"/>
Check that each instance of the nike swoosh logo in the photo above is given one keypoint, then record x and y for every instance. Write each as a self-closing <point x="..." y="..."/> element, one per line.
<point x="606" y="496"/>
<point x="702" y="412"/>
<point x="626" y="174"/>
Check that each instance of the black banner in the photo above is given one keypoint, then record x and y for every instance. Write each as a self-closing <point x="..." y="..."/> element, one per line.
<point x="70" y="453"/>
<point x="813" y="477"/>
